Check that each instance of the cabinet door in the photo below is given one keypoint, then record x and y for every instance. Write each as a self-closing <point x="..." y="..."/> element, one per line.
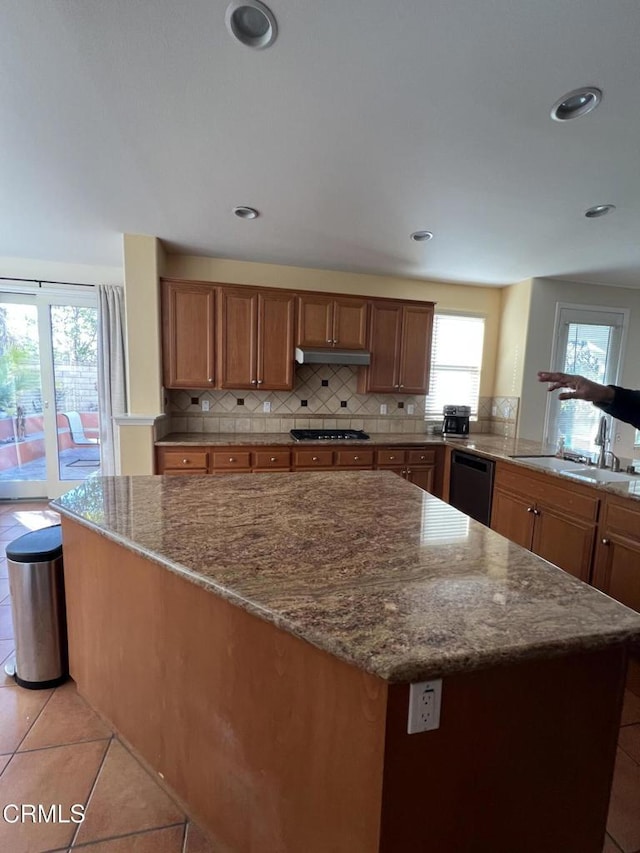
<point x="421" y="476"/>
<point x="617" y="569"/>
<point x="350" y="323"/>
<point x="315" y="321"/>
<point x="384" y="343"/>
<point x="188" y="335"/>
<point x="276" y="313"/>
<point x="564" y="541"/>
<point x="415" y="350"/>
<point x="512" y="516"/>
<point x="237" y="334"/>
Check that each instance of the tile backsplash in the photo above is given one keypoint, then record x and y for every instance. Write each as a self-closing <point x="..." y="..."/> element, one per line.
<point x="324" y="397"/>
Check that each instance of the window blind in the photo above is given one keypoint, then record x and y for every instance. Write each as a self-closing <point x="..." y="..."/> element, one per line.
<point x="456" y="360"/>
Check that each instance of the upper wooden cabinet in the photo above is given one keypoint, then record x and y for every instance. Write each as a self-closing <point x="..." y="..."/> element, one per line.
<point x="400" y="345"/>
<point x="326" y="321"/>
<point x="255" y="339"/>
<point x="188" y="335"/>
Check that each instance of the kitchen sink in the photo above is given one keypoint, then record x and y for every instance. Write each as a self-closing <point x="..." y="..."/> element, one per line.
<point x="600" y="475"/>
<point x="550" y="463"/>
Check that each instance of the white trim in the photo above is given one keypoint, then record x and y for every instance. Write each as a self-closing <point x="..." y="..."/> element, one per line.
<point x="137" y="420"/>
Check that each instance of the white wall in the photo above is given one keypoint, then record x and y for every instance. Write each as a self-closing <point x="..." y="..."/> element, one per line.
<point x="546" y="293"/>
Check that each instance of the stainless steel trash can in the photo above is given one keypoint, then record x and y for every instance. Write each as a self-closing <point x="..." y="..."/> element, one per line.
<point x="36" y="585"/>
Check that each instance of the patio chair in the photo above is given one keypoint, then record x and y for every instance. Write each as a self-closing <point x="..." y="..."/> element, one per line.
<point x="77" y="429"/>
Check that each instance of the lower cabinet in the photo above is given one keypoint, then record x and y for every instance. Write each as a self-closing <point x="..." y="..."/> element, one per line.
<point x="417" y="465"/>
<point x="617" y="563"/>
<point x="554" y="520"/>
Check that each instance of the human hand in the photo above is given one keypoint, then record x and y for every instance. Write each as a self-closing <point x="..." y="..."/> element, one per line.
<point x="583" y="389"/>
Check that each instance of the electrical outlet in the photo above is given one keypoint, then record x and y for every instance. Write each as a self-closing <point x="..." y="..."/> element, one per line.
<point x="410" y="408"/>
<point x="205" y="405"/>
<point x="425" y="699"/>
<point x="383" y="408"/>
<point x="266" y="406"/>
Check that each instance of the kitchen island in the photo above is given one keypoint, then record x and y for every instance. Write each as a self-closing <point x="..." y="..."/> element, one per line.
<point x="254" y="639"/>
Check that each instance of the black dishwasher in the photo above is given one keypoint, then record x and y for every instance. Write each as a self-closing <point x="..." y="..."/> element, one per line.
<point x="471" y="485"/>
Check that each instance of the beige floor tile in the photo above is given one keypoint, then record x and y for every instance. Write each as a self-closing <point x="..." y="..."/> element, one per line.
<point x="66" y="719"/>
<point x="167" y="840"/>
<point x="197" y="841"/>
<point x="6" y="651"/>
<point x="4" y="760"/>
<point x="18" y="711"/>
<point x="62" y="775"/>
<point x="6" y="623"/>
<point x="629" y="740"/>
<point x="624" y="809"/>
<point x="4" y="588"/>
<point x="4" y="572"/>
<point x="125" y="799"/>
<point x="630" y="709"/>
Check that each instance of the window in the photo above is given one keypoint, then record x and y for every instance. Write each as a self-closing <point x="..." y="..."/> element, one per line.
<point x="456" y="359"/>
<point x="588" y="342"/>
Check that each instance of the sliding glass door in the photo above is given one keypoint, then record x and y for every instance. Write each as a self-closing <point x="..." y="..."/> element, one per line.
<point x="49" y="429"/>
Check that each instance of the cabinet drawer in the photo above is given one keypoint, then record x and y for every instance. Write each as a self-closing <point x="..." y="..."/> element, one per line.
<point x="542" y="489"/>
<point x="231" y="459"/>
<point x="421" y="457"/>
<point x="355" y="458"/>
<point x="185" y="459"/>
<point x="272" y="459"/>
<point x="393" y="456"/>
<point x="313" y="458"/>
<point x="622" y="518"/>
<point x="184" y="471"/>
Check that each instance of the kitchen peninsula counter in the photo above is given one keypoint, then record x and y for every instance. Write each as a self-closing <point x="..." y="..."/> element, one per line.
<point x="253" y="639"/>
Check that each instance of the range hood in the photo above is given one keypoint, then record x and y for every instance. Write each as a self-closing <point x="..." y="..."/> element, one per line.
<point x="317" y="355"/>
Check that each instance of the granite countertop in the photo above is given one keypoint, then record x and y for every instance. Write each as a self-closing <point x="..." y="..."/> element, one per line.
<point x="361" y="564"/>
<point x="493" y="447"/>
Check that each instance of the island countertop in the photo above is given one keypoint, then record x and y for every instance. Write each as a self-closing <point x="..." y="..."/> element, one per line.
<point x="361" y="564"/>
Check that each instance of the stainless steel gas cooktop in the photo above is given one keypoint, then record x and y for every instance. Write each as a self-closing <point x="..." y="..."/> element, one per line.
<point x="327" y="434"/>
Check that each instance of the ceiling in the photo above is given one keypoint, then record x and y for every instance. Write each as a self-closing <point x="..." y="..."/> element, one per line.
<point x="365" y="121"/>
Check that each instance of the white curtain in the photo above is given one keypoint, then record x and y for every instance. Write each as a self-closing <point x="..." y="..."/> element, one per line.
<point x="112" y="392"/>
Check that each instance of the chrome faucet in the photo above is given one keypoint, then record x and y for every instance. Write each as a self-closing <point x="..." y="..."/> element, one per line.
<point x="601" y="441"/>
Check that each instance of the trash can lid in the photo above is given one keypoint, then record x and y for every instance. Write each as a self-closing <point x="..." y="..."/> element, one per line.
<point x="37" y="546"/>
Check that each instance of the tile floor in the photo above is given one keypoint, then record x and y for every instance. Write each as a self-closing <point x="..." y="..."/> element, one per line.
<point x="55" y="749"/>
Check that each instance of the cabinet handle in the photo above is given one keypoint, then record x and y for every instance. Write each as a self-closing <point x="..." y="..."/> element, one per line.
<point x="335" y="341"/>
<point x="356" y="458"/>
<point x="253" y="381"/>
<point x="210" y="379"/>
<point x="536" y="512"/>
<point x="184" y="461"/>
<point x="391" y="458"/>
<point x="423" y="457"/>
<point x="606" y="541"/>
<point x="274" y="459"/>
<point x="232" y="459"/>
<point x="329" y="341"/>
<point x="314" y="458"/>
<point x="402" y="386"/>
<point x="408" y="471"/>
<point x="259" y="381"/>
<point x="529" y="509"/>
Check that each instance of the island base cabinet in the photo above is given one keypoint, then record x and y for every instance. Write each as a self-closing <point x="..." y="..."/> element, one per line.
<point x="276" y="746"/>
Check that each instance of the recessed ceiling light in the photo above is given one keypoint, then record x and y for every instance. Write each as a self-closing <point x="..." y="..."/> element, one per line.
<point x="251" y="22"/>
<point x="576" y="103"/>
<point x="599" y="210"/>
<point x="421" y="236"/>
<point x="243" y="212"/>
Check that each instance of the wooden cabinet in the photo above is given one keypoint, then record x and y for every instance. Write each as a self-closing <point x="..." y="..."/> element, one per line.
<point x="415" y="465"/>
<point x="617" y="563"/>
<point x="555" y="520"/>
<point x="184" y="460"/>
<point x="400" y="344"/>
<point x="255" y="339"/>
<point x="326" y="321"/>
<point x="188" y="335"/>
